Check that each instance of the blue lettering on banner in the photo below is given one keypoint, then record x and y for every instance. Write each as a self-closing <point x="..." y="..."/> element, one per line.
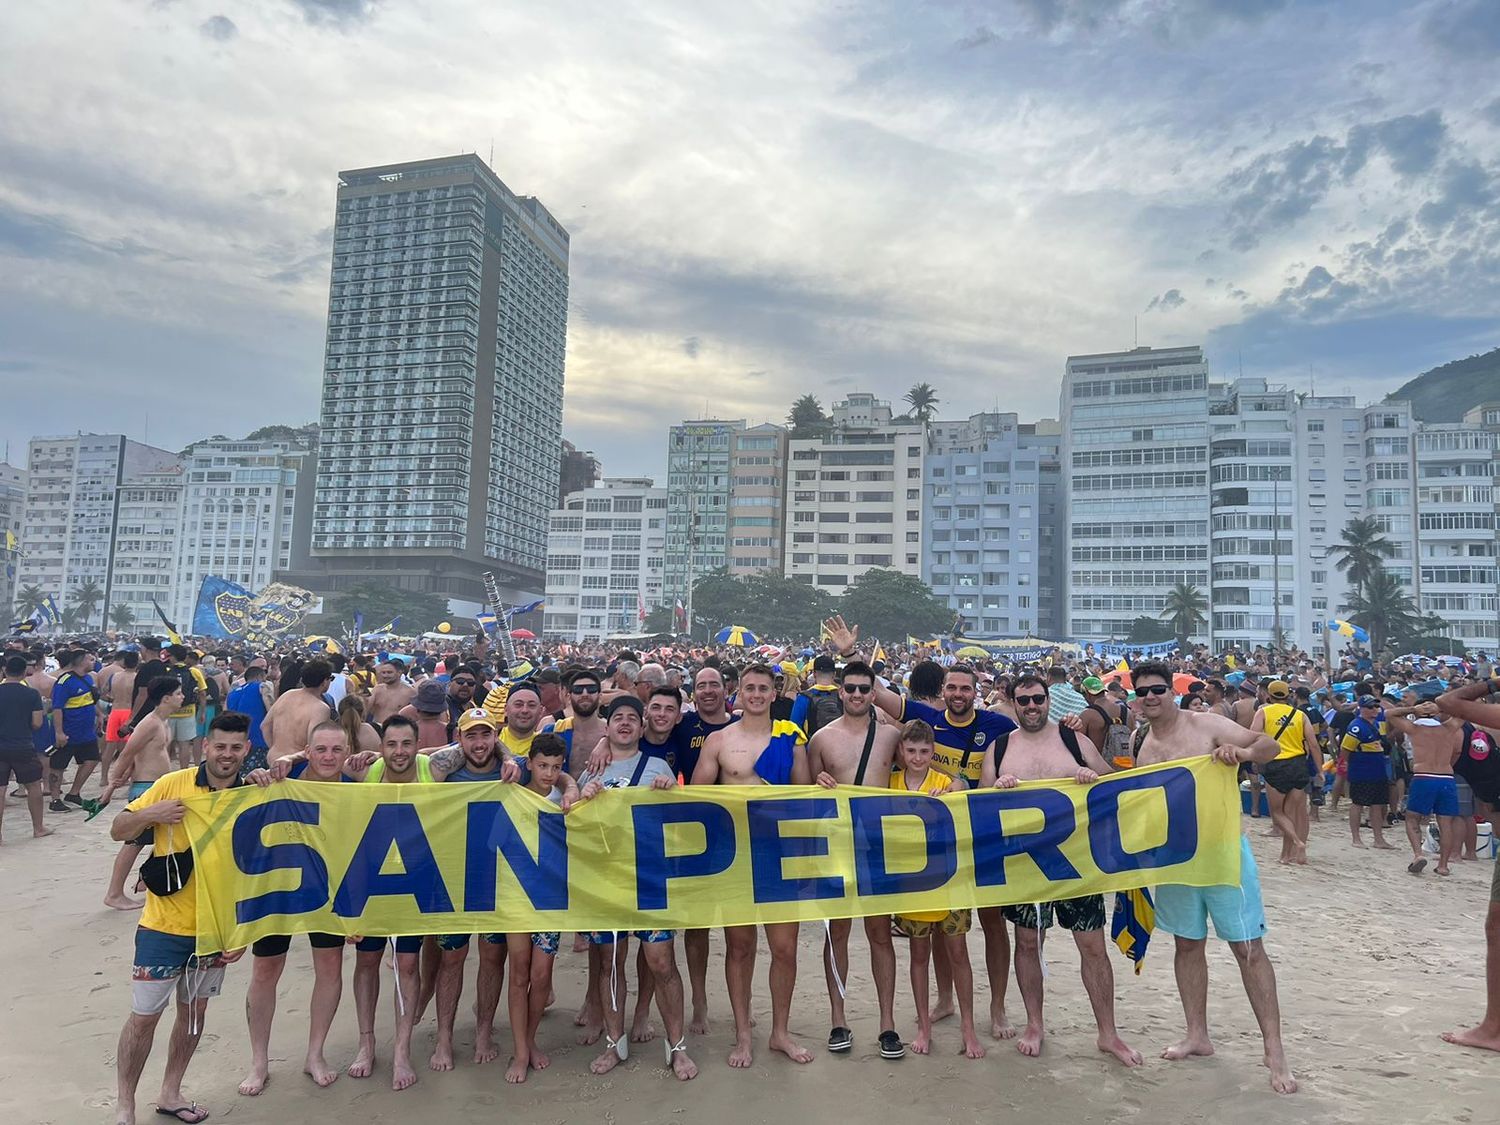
<point x="653" y="867"/>
<point x="872" y="875"/>
<point x="254" y="857"/>
<point x="769" y="849"/>
<point x="1179" y="789"/>
<point x="993" y="845"/>
<point x="400" y="826"/>
<point x="492" y="833"/>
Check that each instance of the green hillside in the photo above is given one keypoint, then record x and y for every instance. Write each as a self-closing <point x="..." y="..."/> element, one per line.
<point x="1445" y="393"/>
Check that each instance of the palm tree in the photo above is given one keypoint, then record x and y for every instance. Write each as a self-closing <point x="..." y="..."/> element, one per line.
<point x="1382" y="607"/>
<point x="121" y="616"/>
<point x="923" y="401"/>
<point x="1184" y="611"/>
<point x="70" y="619"/>
<point x="1362" y="551"/>
<point x="806" y="419"/>
<point x="86" y="598"/>
<point x="28" y="598"/>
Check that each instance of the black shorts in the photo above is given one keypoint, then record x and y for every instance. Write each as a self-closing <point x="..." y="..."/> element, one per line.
<point x="1400" y="765"/>
<point x="277" y="944"/>
<point x="1285" y="775"/>
<point x="1369" y="793"/>
<point x="25" y="765"/>
<point x="79" y="752"/>
<point x="1077" y="914"/>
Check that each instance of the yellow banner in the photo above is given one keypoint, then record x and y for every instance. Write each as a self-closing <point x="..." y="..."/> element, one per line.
<point x="485" y="857"/>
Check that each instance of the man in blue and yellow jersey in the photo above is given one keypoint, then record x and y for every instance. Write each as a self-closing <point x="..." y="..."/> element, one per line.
<point x="75" y="728"/>
<point x="1369" y="787"/>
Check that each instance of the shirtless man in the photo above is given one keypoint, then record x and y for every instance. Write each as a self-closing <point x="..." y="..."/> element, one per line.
<point x="327" y="751"/>
<point x="391" y="692"/>
<point x="583" y="728"/>
<point x="291" y="719"/>
<point x="1243" y="711"/>
<point x="857" y="750"/>
<point x="1468" y="704"/>
<point x="758" y="751"/>
<point x="1238" y="914"/>
<point x="1435" y="745"/>
<point x="147" y="757"/>
<point x="117" y="686"/>
<point x="1041" y="750"/>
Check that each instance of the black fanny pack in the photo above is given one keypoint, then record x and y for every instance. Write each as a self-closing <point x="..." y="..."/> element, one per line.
<point x="167" y="874"/>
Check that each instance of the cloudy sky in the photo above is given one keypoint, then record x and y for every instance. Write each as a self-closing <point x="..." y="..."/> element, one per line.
<point x="764" y="198"/>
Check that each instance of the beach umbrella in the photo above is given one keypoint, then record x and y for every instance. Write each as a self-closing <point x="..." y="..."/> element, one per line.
<point x="322" y="644"/>
<point x="972" y="652"/>
<point x="736" y="635"/>
<point x="1348" y="629"/>
<point x="523" y="634"/>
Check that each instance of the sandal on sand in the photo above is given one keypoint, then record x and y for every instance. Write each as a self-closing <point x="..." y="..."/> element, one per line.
<point x="891" y="1046"/>
<point x="196" y="1113"/>
<point x="672" y="1050"/>
<point x="840" y="1039"/>
<point x="620" y="1046"/>
<point x="1416" y="866"/>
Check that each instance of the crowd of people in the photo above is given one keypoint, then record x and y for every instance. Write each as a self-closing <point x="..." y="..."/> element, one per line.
<point x="159" y="724"/>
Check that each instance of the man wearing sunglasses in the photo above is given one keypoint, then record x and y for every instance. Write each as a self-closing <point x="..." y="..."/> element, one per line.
<point x="583" y="728"/>
<point x="856" y="750"/>
<point x="1237" y="912"/>
<point x="1041" y="750"/>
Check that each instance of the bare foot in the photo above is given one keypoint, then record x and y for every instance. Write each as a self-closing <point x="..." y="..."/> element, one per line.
<point x="1442" y="869"/>
<point x="442" y="1058"/>
<point x="485" y="1049"/>
<point x="743" y="1054"/>
<point x="608" y="1059"/>
<point x="921" y="1043"/>
<point x="1481" y="1037"/>
<point x="590" y="1033"/>
<point x="1114" y="1045"/>
<point x="1357" y="844"/>
<point x="1385" y="847"/>
<point x="319" y="1071"/>
<point x="1030" y="1043"/>
<point x="1281" y="1076"/>
<point x="122" y="902"/>
<point x="38" y="833"/>
<point x="698" y="1025"/>
<point x="403" y="1076"/>
<point x="254" y="1082"/>
<point x="589" y="1014"/>
<point x="516" y="1072"/>
<point x="551" y="998"/>
<point x="973" y="1049"/>
<point x="1000" y="1025"/>
<point x="540" y="1061"/>
<point x="641" y="1030"/>
<point x="1187" y="1049"/>
<point x="943" y="1010"/>
<point x="790" y="1048"/>
<point x="364" y="1061"/>
<point x="683" y="1067"/>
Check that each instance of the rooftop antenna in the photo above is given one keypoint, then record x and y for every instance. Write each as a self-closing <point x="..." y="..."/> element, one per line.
<point x="492" y="152"/>
<point x="1136" y="321"/>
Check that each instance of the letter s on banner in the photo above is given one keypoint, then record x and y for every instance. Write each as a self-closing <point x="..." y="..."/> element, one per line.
<point x="254" y="857"/>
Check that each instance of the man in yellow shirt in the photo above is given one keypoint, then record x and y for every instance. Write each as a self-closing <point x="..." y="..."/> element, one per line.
<point x="166" y="963"/>
<point x="1288" y="774"/>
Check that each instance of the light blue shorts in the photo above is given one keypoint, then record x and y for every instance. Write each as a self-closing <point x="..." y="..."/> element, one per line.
<point x="1237" y="912"/>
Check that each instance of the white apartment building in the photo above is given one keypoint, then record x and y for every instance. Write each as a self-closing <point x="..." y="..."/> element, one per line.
<point x="148" y="542"/>
<point x="854" y="498"/>
<point x="606" y="547"/>
<point x="12" y="509"/>
<point x="237" y="512"/>
<point x="72" y="493"/>
<point x="757" y="486"/>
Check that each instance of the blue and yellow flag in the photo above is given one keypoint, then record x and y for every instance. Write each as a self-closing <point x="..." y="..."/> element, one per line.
<point x="172" y="634"/>
<point x="1133" y="923"/>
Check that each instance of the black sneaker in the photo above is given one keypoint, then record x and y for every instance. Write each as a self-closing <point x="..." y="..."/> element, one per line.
<point x="58" y="806"/>
<point x="891" y="1046"/>
<point x="73" y="799"/>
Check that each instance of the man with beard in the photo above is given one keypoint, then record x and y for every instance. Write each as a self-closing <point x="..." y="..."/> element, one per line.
<point x="1041" y="750"/>
<point x="480" y="761"/>
<point x="461" y="686"/>
<point x="390" y="693"/>
<point x="1238" y="914"/>
<point x="854" y="749"/>
<point x="584" y="728"/>
<point x="963" y="736"/>
<point x="758" y="751"/>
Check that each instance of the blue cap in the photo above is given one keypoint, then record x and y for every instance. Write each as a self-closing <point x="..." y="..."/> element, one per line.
<point x="1368" y="701"/>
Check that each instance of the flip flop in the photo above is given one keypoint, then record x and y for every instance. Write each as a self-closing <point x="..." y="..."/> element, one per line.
<point x="840" y="1039"/>
<point x="197" y="1113"/>
<point x="620" y="1046"/>
<point x="1416" y="866"/>
<point x="672" y="1050"/>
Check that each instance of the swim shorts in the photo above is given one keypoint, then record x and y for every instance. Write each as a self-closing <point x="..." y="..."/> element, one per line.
<point x="450" y="942"/>
<point x="1286" y="775"/>
<point x="184" y="729"/>
<point x="74" y="751"/>
<point x="957" y="923"/>
<point x="1465" y="797"/>
<point x="118" y="718"/>
<point x="648" y="937"/>
<point x="165" y="965"/>
<point x="276" y="945"/>
<point x="1369" y="793"/>
<point x="1237" y="911"/>
<point x="547" y="941"/>
<point x="1077" y="914"/>
<point x="23" y="764"/>
<point x="377" y="944"/>
<point x="147" y="837"/>
<point x="1432" y="795"/>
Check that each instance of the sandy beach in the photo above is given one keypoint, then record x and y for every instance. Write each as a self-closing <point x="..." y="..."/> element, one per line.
<point x="1372" y="965"/>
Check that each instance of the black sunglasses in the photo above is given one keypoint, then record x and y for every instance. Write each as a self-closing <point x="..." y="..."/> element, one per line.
<point x="1030" y="700"/>
<point x="584" y="689"/>
<point x="858" y="689"/>
<point x="1153" y="689"/>
<point x="464" y="683"/>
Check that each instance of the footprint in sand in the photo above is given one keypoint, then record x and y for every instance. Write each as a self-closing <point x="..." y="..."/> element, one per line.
<point x="109" y="939"/>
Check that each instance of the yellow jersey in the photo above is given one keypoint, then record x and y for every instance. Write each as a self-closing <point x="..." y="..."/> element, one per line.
<point x="1290" y="736"/>
<point x="175" y="913"/>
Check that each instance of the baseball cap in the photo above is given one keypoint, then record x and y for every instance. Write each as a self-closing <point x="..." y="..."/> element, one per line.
<point x="476" y="717"/>
<point x="627" y="700"/>
<point x="825" y="663"/>
<point x="1368" y="701"/>
<point x="1278" y="689"/>
<point x="1093" y="685"/>
<point x="431" y="698"/>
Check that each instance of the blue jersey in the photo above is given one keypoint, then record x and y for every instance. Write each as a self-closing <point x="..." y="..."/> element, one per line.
<point x="74" y="696"/>
<point x="961" y="747"/>
<point x="691" y="733"/>
<point x="1366" y="750"/>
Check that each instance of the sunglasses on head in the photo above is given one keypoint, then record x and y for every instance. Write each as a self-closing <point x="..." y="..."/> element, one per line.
<point x="584" y="689"/>
<point x="1031" y="700"/>
<point x="858" y="689"/>
<point x="1153" y="689"/>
